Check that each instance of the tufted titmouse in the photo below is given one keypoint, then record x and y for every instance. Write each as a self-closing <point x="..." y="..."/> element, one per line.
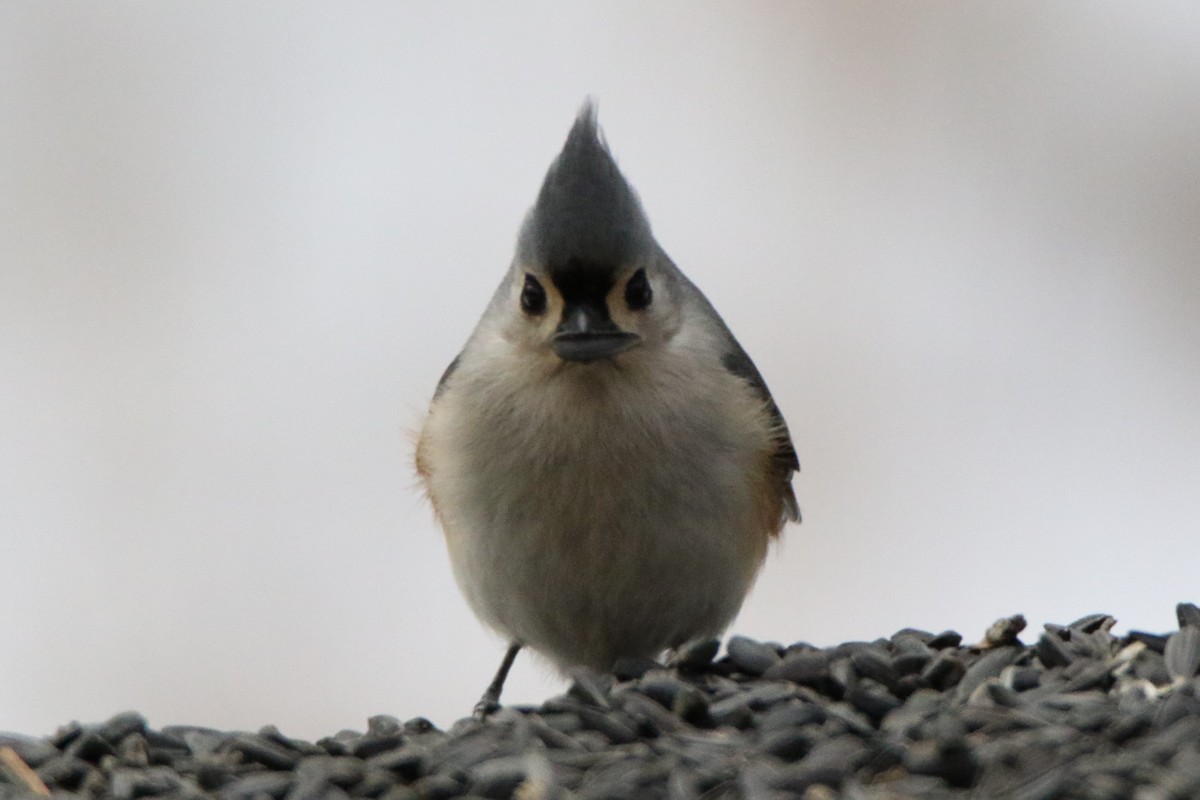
<point x="605" y="460"/>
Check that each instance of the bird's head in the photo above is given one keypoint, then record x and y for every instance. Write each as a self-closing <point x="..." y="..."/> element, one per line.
<point x="588" y="283"/>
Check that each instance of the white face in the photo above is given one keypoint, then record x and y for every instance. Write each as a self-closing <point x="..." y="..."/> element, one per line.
<point x="638" y="311"/>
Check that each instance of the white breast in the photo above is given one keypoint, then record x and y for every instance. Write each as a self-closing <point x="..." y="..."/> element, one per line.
<point x="601" y="510"/>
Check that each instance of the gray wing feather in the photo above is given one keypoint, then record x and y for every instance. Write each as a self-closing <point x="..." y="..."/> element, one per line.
<point x="785" y="458"/>
<point x="738" y="363"/>
<point x="441" y="384"/>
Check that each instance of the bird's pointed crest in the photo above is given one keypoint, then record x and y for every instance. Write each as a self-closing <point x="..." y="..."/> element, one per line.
<point x="586" y="211"/>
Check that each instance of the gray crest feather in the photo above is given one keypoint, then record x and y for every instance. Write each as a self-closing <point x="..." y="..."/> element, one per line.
<point x="586" y="211"/>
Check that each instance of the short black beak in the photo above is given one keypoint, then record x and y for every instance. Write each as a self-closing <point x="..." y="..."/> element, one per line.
<point x="587" y="334"/>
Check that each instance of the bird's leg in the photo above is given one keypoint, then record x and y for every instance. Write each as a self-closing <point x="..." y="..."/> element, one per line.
<point x="490" y="702"/>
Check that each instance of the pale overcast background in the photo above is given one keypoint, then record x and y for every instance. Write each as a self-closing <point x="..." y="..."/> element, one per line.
<point x="240" y="242"/>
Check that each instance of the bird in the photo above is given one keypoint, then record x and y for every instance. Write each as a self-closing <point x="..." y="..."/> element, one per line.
<point x="606" y="462"/>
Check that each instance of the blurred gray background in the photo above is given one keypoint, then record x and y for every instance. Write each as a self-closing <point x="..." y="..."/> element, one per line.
<point x="240" y="242"/>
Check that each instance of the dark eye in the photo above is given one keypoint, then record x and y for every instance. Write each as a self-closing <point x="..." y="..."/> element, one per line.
<point x="637" y="291"/>
<point x="533" y="296"/>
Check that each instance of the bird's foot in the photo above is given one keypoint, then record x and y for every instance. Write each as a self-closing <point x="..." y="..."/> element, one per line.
<point x="486" y="706"/>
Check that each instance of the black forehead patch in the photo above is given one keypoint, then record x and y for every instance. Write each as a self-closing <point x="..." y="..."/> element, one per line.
<point x="586" y="212"/>
<point x="580" y="281"/>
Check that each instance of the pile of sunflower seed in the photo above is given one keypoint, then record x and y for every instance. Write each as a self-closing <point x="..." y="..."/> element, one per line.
<point x="1079" y="713"/>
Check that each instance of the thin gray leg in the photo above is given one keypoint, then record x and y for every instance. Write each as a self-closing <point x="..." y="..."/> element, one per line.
<point x="490" y="702"/>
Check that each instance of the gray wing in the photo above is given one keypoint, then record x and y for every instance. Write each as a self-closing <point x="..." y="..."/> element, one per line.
<point x="441" y="384"/>
<point x="738" y="363"/>
<point x="785" y="458"/>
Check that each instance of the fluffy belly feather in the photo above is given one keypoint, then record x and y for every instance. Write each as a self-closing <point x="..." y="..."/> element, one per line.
<point x="604" y="533"/>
